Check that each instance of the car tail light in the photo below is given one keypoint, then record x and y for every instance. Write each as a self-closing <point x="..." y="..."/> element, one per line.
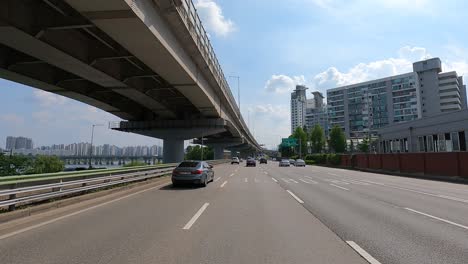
<point x="197" y="172"/>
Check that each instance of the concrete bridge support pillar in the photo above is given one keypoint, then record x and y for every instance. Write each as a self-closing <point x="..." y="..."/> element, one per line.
<point x="218" y="152"/>
<point x="173" y="150"/>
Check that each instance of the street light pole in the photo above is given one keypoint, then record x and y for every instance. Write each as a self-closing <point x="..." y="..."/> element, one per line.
<point x="91" y="148"/>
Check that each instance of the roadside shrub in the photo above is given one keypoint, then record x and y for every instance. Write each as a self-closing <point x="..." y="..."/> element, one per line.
<point x="309" y="162"/>
<point x="333" y="159"/>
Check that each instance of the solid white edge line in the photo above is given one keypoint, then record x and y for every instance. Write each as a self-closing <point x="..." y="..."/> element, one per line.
<point x="224" y="183"/>
<point x="339" y="187"/>
<point x="77" y="212"/>
<point x="295" y="197"/>
<point x="196" y="216"/>
<point x="275" y="180"/>
<point x="437" y="218"/>
<point x="362" y="252"/>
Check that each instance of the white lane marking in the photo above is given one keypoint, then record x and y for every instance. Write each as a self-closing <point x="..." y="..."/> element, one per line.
<point x="77" y="212"/>
<point x="196" y="216"/>
<point x="354" y="182"/>
<point x="308" y="181"/>
<point x="295" y="197"/>
<point x="266" y="172"/>
<point x="333" y="174"/>
<point x="256" y="180"/>
<point x="289" y="180"/>
<point x="245" y="180"/>
<point x="437" y="218"/>
<point x="377" y="183"/>
<point x="275" y="180"/>
<point x="363" y="253"/>
<point x="217" y="179"/>
<point x="232" y="174"/>
<point x="339" y="187"/>
<point x="224" y="183"/>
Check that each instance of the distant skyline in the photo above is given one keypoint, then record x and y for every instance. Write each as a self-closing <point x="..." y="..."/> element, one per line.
<point x="273" y="46"/>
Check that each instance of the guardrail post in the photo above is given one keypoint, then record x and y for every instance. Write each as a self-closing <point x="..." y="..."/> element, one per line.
<point x="12" y="207"/>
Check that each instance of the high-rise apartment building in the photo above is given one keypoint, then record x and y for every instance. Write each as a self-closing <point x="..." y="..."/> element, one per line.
<point x="362" y="108"/>
<point x="298" y="107"/>
<point x="19" y="143"/>
<point x="316" y="113"/>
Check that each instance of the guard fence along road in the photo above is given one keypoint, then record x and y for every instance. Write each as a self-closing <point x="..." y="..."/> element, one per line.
<point x="28" y="189"/>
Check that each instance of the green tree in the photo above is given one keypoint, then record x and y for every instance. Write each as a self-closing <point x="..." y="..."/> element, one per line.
<point x="337" y="140"/>
<point x="46" y="164"/>
<point x="195" y="153"/>
<point x="363" y="146"/>
<point x="301" y="137"/>
<point x="351" y="146"/>
<point x="317" y="139"/>
<point x="13" y="165"/>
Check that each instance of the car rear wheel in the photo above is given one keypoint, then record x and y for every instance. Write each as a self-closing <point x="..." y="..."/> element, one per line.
<point x="205" y="182"/>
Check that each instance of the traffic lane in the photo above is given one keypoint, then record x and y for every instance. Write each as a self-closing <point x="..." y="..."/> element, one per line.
<point x="389" y="233"/>
<point x="446" y="188"/>
<point x="259" y="222"/>
<point x="448" y="207"/>
<point x="119" y="232"/>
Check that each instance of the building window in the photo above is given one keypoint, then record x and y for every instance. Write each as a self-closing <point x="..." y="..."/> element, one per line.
<point x="421" y="144"/>
<point x="461" y="137"/>
<point x="455" y="142"/>
<point x="430" y="143"/>
<point x="441" y="139"/>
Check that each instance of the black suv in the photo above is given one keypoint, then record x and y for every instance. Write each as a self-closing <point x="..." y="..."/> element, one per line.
<point x="251" y="162"/>
<point x="263" y="160"/>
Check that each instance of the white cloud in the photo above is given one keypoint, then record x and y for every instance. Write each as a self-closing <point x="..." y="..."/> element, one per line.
<point x="213" y="19"/>
<point x="404" y="4"/>
<point x="282" y="83"/>
<point x="332" y="77"/>
<point x="12" y="119"/>
<point x="49" y="99"/>
<point x="269" y="123"/>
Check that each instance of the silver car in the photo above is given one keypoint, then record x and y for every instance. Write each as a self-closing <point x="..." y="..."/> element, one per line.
<point x="284" y="163"/>
<point x="192" y="171"/>
<point x="300" y="163"/>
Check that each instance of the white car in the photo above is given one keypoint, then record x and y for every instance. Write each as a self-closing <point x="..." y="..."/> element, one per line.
<point x="284" y="163"/>
<point x="300" y="163"/>
<point x="235" y="160"/>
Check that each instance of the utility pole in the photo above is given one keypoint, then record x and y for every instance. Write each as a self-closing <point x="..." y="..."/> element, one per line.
<point x="91" y="148"/>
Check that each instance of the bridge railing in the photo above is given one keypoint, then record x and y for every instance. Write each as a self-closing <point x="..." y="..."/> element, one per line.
<point x="192" y="21"/>
<point x="28" y="189"/>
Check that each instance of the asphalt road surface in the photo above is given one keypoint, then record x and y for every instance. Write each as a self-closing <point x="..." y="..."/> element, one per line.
<point x="265" y="214"/>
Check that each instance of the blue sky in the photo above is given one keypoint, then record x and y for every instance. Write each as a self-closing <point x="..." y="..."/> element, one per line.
<point x="273" y="45"/>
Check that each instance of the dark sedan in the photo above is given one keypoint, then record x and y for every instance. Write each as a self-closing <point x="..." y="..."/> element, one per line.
<point x="251" y="162"/>
<point x="198" y="172"/>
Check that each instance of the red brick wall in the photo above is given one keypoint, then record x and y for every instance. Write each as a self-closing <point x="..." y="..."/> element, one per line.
<point x="412" y="162"/>
<point x="441" y="164"/>
<point x="361" y="161"/>
<point x="445" y="164"/>
<point x="390" y="162"/>
<point x="375" y="161"/>
<point x="463" y="156"/>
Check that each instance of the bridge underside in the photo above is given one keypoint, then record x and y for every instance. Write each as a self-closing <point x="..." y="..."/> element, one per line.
<point x="121" y="58"/>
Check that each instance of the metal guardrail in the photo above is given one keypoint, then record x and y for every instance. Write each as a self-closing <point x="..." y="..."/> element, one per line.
<point x="28" y="189"/>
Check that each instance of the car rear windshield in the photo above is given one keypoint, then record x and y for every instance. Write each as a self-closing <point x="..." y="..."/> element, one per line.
<point x="189" y="164"/>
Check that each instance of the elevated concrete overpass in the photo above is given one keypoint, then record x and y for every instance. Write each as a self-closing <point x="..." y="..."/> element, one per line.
<point x="148" y="62"/>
